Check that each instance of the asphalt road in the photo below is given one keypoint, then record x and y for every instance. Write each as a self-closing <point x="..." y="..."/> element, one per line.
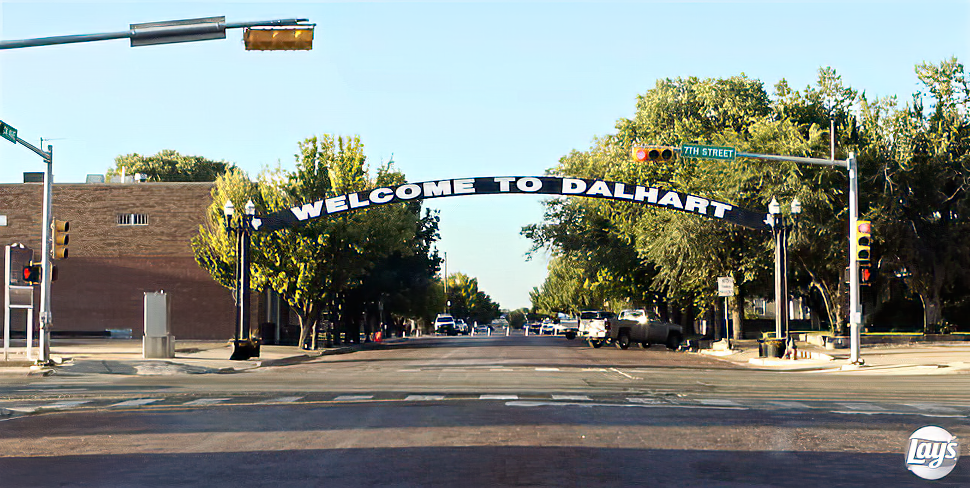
<point x="477" y="411"/>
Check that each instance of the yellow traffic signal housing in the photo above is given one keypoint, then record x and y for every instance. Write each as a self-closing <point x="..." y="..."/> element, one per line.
<point x="279" y="38"/>
<point x="654" y="153"/>
<point x="863" y="240"/>
<point x="61" y="238"/>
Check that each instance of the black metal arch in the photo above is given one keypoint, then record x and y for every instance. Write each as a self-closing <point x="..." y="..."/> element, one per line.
<point x="493" y="185"/>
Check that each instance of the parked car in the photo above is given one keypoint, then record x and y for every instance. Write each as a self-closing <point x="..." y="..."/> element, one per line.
<point x="547" y="327"/>
<point x="483" y="329"/>
<point x="462" y="327"/>
<point x="594" y="326"/>
<point x="566" y="327"/>
<point x="644" y="327"/>
<point x="534" y="327"/>
<point x="445" y="324"/>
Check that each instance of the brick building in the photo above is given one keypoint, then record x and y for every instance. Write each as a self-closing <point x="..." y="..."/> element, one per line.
<point x="125" y="239"/>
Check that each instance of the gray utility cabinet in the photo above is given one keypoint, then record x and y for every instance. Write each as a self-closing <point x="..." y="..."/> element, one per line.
<point x="158" y="343"/>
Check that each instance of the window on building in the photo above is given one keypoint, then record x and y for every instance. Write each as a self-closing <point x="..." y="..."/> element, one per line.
<point x="132" y="219"/>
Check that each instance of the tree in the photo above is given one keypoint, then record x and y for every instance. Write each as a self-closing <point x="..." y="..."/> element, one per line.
<point x="468" y="302"/>
<point x="169" y="165"/>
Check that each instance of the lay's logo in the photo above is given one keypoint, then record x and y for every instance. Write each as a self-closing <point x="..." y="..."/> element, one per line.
<point x="932" y="453"/>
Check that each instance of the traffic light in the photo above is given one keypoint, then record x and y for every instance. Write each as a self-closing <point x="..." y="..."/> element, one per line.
<point x="279" y="38"/>
<point x="863" y="240"/>
<point x="32" y="274"/>
<point x="61" y="239"/>
<point x="654" y="153"/>
<point x="865" y="274"/>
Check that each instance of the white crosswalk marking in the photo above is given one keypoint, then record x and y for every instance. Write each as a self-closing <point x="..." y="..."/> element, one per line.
<point x="287" y="399"/>
<point x="498" y="397"/>
<point x="862" y="406"/>
<point x="719" y="402"/>
<point x="574" y="398"/>
<point x="649" y="401"/>
<point x="136" y="403"/>
<point x="352" y="398"/>
<point x="930" y="407"/>
<point x="547" y="369"/>
<point x="423" y="398"/>
<point x="66" y="404"/>
<point x="204" y="401"/>
<point x="790" y="404"/>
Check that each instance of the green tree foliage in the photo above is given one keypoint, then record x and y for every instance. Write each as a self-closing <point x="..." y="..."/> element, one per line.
<point x="169" y="165"/>
<point x="468" y="301"/>
<point x="327" y="265"/>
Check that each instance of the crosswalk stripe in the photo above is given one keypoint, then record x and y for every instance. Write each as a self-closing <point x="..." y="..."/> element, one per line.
<point x="572" y="397"/>
<point x="204" y="401"/>
<point x="931" y="407"/>
<point x="649" y="401"/>
<point x="423" y="398"/>
<point x="498" y="397"/>
<point x="790" y="404"/>
<point x="862" y="406"/>
<point x="136" y="403"/>
<point x="547" y="369"/>
<point x="352" y="398"/>
<point x="720" y="402"/>
<point x="287" y="399"/>
<point x="66" y="404"/>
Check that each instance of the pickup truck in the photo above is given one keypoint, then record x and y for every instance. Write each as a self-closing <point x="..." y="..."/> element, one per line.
<point x="644" y="327"/>
<point x="594" y="326"/>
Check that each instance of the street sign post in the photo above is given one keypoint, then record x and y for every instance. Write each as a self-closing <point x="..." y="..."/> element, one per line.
<point x="707" y="152"/>
<point x="8" y="132"/>
<point x="725" y="288"/>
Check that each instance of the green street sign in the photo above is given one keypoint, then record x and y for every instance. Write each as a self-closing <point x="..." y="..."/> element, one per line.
<point x="8" y="132"/>
<point x="707" y="152"/>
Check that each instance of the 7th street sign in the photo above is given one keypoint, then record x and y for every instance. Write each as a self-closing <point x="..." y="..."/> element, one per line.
<point x="707" y="152"/>
<point x="8" y="132"/>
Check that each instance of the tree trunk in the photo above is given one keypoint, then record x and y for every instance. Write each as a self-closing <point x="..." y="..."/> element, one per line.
<point x="737" y="315"/>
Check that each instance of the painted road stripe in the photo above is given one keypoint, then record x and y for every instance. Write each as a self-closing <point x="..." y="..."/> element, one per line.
<point x="423" y="398"/>
<point x="719" y="402"/>
<point x="862" y="406"/>
<point x="574" y="398"/>
<point x="352" y="398"/>
<point x="790" y="404"/>
<point x="136" y="403"/>
<point x="647" y="400"/>
<point x="547" y="369"/>
<point x="931" y="407"/>
<point x="288" y="399"/>
<point x="66" y="404"/>
<point x="498" y="397"/>
<point x="204" y="401"/>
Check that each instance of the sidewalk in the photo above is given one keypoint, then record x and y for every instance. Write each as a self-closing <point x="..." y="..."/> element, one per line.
<point x="909" y="359"/>
<point x="124" y="356"/>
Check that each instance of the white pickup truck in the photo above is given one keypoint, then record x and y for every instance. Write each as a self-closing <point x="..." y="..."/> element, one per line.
<point x="594" y="326"/>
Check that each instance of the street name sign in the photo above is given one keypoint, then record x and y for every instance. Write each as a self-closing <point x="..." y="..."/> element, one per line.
<point x="8" y="132"/>
<point x="707" y="152"/>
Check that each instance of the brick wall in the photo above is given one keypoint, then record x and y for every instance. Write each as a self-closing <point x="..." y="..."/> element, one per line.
<point x="102" y="283"/>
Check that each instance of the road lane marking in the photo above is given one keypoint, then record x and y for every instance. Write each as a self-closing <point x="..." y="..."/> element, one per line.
<point x="547" y="369"/>
<point x="540" y="403"/>
<point x="931" y="407"/>
<point x="204" y="401"/>
<point x="650" y="401"/>
<point x="498" y="397"/>
<point x="423" y="398"/>
<point x="136" y="403"/>
<point x="624" y="374"/>
<point x="287" y="399"/>
<point x="862" y="406"/>
<point x="791" y="404"/>
<point x="501" y="369"/>
<point x="718" y="401"/>
<point x="408" y="370"/>
<point x="575" y="398"/>
<point x="352" y="398"/>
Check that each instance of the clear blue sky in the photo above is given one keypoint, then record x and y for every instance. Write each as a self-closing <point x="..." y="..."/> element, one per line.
<point x="451" y="89"/>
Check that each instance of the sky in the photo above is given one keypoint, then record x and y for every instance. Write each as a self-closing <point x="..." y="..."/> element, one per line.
<point x="450" y="89"/>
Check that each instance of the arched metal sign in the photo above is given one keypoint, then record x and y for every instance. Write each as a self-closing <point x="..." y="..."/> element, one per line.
<point x="493" y="185"/>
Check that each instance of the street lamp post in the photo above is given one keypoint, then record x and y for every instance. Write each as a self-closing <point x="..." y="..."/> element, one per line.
<point x="781" y="229"/>
<point x="244" y="345"/>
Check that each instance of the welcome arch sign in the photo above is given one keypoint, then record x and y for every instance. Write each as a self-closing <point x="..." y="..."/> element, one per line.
<point x="495" y="185"/>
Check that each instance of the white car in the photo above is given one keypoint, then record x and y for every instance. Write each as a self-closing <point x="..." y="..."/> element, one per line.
<point x="445" y="324"/>
<point x="594" y="326"/>
<point x="547" y="328"/>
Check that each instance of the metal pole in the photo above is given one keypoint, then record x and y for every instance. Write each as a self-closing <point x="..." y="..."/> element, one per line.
<point x="43" y="356"/>
<point x="784" y="276"/>
<point x="776" y="228"/>
<point x="244" y="333"/>
<point x="855" y="298"/>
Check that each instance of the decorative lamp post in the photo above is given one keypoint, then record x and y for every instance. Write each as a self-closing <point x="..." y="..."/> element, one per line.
<point x="244" y="345"/>
<point x="780" y="232"/>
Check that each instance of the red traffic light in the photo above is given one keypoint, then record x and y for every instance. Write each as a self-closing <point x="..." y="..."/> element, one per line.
<point x="653" y="153"/>
<point x="865" y="227"/>
<point x="32" y="274"/>
<point x="865" y="275"/>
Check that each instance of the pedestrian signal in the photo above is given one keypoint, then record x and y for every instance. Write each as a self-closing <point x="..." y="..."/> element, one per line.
<point x="32" y="274"/>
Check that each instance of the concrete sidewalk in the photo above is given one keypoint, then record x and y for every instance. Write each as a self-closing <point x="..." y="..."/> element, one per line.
<point x="935" y="358"/>
<point x="124" y="356"/>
